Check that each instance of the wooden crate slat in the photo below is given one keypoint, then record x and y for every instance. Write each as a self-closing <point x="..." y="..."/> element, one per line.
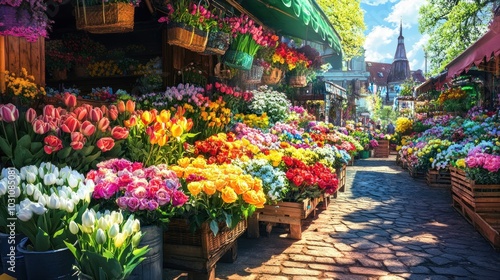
<point x="480" y="198"/>
<point x="438" y="178"/>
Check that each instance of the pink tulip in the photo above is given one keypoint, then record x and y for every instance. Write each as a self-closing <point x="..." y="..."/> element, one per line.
<point x="9" y="113"/>
<point x="95" y="115"/>
<point x="103" y="124"/>
<point x="69" y="100"/>
<point x="30" y="115"/>
<point x="40" y="127"/>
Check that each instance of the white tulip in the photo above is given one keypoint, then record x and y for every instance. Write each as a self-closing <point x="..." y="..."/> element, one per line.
<point x="49" y="179"/>
<point x="65" y="172"/>
<point x="3" y="188"/>
<point x="37" y="208"/>
<point x="73" y="227"/>
<point x="33" y="169"/>
<point x="17" y="191"/>
<point x="53" y="202"/>
<point x="88" y="218"/>
<point x="23" y="172"/>
<point x="102" y="223"/>
<point x="136" y="226"/>
<point x="41" y="170"/>
<point x="30" y="189"/>
<point x="70" y="206"/>
<point x="42" y="200"/>
<point x="72" y="181"/>
<point x="100" y="237"/>
<point x="117" y="217"/>
<point x="24" y="214"/>
<point x="136" y="239"/>
<point x="114" y="230"/>
<point x="37" y="193"/>
<point x="30" y="177"/>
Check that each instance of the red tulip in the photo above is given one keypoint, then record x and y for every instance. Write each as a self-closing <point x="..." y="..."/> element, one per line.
<point x="40" y="127"/>
<point x="113" y="114"/>
<point x="104" y="110"/>
<point x="77" y="137"/>
<point x="103" y="124"/>
<point x="105" y="144"/>
<point x="30" y="115"/>
<point x="95" y="115"/>
<point x="76" y="145"/>
<point x="52" y="144"/>
<point x="9" y="113"/>
<point x="49" y="111"/>
<point x="80" y="113"/>
<point x="69" y="100"/>
<point x="130" y="122"/>
<point x="87" y="128"/>
<point x="119" y="132"/>
<point x="71" y="124"/>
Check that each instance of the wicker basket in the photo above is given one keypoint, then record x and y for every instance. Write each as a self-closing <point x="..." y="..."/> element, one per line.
<point x="253" y="76"/>
<point x="273" y="77"/>
<point x="217" y="43"/>
<point x="297" y="81"/>
<point x="188" y="37"/>
<point x="109" y="18"/>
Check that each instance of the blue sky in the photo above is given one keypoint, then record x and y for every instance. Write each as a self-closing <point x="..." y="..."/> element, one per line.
<point x="382" y="18"/>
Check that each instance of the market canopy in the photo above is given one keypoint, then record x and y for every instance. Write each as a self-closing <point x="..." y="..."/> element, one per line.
<point x="298" y="18"/>
<point x="483" y="49"/>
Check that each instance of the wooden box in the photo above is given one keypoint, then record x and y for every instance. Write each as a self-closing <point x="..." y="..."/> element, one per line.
<point x="438" y="178"/>
<point x="198" y="252"/>
<point x="382" y="151"/>
<point x="342" y="177"/>
<point x="480" y="198"/>
<point x="415" y="172"/>
<point x="291" y="213"/>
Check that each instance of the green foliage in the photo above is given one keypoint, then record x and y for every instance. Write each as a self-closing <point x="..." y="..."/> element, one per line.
<point x="350" y="28"/>
<point x="452" y="26"/>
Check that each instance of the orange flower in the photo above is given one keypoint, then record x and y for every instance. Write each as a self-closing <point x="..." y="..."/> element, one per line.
<point x="146" y="117"/>
<point x="255" y="198"/>
<point x="130" y="106"/>
<point x="130" y="122"/>
<point x="194" y="188"/>
<point x="228" y="195"/>
<point x="239" y="185"/>
<point x="220" y="184"/>
<point x="120" y="106"/>
<point x="209" y="187"/>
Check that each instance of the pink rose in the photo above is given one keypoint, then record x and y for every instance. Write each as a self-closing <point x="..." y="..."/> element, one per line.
<point x="139" y="192"/>
<point x="163" y="196"/>
<point x="122" y="202"/>
<point x="179" y="198"/>
<point x="152" y="205"/>
<point x="133" y="203"/>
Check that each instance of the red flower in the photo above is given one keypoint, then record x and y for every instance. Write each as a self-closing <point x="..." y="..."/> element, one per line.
<point x="105" y="144"/>
<point x="52" y="144"/>
<point x="70" y="125"/>
<point x="87" y="128"/>
<point x="119" y="133"/>
<point x="69" y="100"/>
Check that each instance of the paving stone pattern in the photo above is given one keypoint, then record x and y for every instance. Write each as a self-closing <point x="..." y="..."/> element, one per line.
<point x="387" y="225"/>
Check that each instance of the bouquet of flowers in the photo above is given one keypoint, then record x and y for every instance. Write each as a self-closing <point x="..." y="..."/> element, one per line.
<point x="275" y="104"/>
<point x="152" y="194"/>
<point x="23" y="87"/>
<point x="248" y="37"/>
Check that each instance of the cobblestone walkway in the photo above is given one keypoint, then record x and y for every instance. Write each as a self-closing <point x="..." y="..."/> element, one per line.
<point x="385" y="226"/>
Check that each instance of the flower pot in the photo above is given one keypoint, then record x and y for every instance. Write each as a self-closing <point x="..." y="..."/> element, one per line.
<point x="217" y="43"/>
<point x="152" y="266"/>
<point x="273" y="77"/>
<point x="188" y="37"/>
<point x="238" y="60"/>
<point x="12" y="259"/>
<point x="53" y="264"/>
<point x="364" y="154"/>
<point x="297" y="81"/>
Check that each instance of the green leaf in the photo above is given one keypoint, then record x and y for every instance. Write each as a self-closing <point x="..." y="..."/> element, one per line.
<point x="229" y="218"/>
<point x="89" y="159"/>
<point x="42" y="242"/>
<point x="85" y="151"/>
<point x="214" y="227"/>
<point x="5" y="147"/>
<point x="24" y="142"/>
<point x="36" y="147"/>
<point x="64" y="153"/>
<point x="22" y="156"/>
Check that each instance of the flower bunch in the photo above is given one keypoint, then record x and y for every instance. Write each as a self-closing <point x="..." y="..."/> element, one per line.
<point x="153" y="194"/>
<point x="256" y="136"/>
<point x="22" y="86"/>
<point x="273" y="179"/>
<point x="173" y="97"/>
<point x="48" y="198"/>
<point x="381" y="136"/>
<point x="305" y="155"/>
<point x="451" y="94"/>
<point x="248" y="37"/>
<point x="31" y="21"/>
<point x="449" y="157"/>
<point x="213" y="118"/>
<point x="300" y="116"/>
<point x="428" y="152"/>
<point x="235" y="100"/>
<point x="291" y="60"/>
<point x="372" y="144"/>
<point x="403" y="125"/>
<point x="362" y="137"/>
<point x="483" y="168"/>
<point x="351" y="143"/>
<point x="274" y="103"/>
<point x="218" y="193"/>
<point x="308" y="181"/>
<point x="252" y="120"/>
<point x="108" y="245"/>
<point x="104" y="68"/>
<point x="327" y="155"/>
<point x="224" y="148"/>
<point x="191" y="14"/>
<point x="157" y="138"/>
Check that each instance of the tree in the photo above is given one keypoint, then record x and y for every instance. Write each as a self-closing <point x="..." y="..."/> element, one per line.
<point x="347" y="18"/>
<point x="453" y="25"/>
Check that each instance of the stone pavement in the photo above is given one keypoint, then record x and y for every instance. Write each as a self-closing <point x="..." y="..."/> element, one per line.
<point x="387" y="225"/>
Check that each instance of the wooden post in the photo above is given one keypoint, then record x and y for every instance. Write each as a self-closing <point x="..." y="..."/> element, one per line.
<point x="253" y="230"/>
<point x="2" y="63"/>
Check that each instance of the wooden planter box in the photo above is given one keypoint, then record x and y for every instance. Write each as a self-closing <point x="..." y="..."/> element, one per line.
<point x="438" y="178"/>
<point x="480" y="198"/>
<point x="291" y="213"/>
<point x="198" y="252"/>
<point x="342" y="177"/>
<point x="382" y="151"/>
<point x="416" y="173"/>
<point x="488" y="224"/>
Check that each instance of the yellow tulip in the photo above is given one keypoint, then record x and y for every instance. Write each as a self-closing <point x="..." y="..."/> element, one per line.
<point x="209" y="187"/>
<point x="176" y="130"/>
<point x="146" y="117"/>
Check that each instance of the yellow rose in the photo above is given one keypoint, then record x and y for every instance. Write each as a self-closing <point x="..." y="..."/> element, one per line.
<point x="228" y="195"/>
<point x="255" y="198"/>
<point x="194" y="188"/>
<point x="209" y="187"/>
<point x="184" y="162"/>
<point x="239" y="185"/>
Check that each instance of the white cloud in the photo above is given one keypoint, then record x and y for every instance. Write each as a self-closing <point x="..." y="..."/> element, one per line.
<point x="377" y="2"/>
<point x="380" y="44"/>
<point x="415" y="54"/>
<point x="405" y="10"/>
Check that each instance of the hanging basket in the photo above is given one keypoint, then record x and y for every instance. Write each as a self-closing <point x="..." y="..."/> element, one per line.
<point x="253" y="76"/>
<point x="188" y="37"/>
<point x="106" y="18"/>
<point x="238" y="60"/>
<point x="218" y="43"/>
<point x="273" y="77"/>
<point x="297" y="81"/>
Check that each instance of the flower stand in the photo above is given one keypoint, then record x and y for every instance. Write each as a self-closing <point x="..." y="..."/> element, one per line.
<point x="188" y="37"/>
<point x="297" y="81"/>
<point x="438" y="178"/>
<point x="382" y="150"/>
<point x="105" y="18"/>
<point x="291" y="213"/>
<point x="198" y="252"/>
<point x="479" y="198"/>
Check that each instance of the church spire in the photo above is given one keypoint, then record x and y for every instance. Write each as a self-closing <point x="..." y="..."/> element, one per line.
<point x="400" y="69"/>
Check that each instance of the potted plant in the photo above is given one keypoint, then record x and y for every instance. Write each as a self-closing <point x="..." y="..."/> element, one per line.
<point x="26" y="19"/>
<point x="51" y="197"/>
<point x="108" y="245"/>
<point x="188" y="25"/>
<point x="21" y="89"/>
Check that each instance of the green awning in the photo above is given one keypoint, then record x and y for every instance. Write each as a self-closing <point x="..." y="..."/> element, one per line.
<point x="298" y="18"/>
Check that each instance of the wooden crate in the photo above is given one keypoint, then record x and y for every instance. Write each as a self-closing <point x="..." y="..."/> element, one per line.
<point x="480" y="198"/>
<point x="291" y="213"/>
<point x="198" y="252"/>
<point x="488" y="224"/>
<point x="438" y="178"/>
<point x="416" y="173"/>
<point x="342" y="177"/>
<point x="382" y="151"/>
